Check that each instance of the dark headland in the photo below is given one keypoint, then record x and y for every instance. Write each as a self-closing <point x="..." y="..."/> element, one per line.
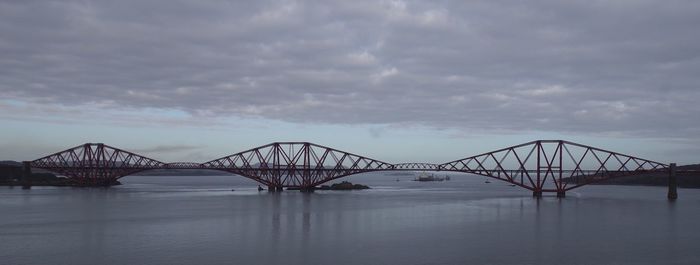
<point x="688" y="176"/>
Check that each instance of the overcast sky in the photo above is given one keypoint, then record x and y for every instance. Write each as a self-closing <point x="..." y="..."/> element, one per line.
<point x="396" y="80"/>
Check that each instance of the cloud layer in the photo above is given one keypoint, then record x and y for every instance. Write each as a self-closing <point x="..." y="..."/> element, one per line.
<point x="628" y="68"/>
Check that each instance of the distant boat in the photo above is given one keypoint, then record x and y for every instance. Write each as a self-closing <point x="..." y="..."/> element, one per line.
<point x="425" y="177"/>
<point x="487" y="181"/>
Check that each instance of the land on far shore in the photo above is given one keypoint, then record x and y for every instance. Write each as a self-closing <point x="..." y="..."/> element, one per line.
<point x="687" y="176"/>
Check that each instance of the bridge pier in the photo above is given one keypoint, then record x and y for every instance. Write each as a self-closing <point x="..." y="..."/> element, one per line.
<point x="537" y="193"/>
<point x="26" y="175"/>
<point x="271" y="188"/>
<point x="672" y="185"/>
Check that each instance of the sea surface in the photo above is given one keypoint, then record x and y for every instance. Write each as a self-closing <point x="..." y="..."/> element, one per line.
<point x="225" y="220"/>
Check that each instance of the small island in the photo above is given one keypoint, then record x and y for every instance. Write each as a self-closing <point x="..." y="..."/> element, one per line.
<point x="345" y="185"/>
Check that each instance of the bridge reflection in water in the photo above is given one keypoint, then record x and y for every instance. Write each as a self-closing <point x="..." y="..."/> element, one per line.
<point x="554" y="166"/>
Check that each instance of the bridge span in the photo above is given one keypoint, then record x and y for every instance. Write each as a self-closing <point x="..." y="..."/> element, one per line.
<point x="542" y="166"/>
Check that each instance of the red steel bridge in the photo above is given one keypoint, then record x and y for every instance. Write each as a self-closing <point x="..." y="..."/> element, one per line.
<point x="554" y="166"/>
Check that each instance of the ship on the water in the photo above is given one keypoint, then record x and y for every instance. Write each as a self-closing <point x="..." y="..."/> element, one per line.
<point x="425" y="177"/>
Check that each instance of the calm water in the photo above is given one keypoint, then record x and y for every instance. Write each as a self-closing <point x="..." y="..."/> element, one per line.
<point x="199" y="220"/>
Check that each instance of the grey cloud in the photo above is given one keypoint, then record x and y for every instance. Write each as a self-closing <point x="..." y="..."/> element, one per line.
<point x="630" y="68"/>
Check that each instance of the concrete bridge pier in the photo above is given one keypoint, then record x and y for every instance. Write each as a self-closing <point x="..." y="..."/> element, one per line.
<point x="26" y="175"/>
<point x="537" y="193"/>
<point x="672" y="185"/>
<point x="272" y="188"/>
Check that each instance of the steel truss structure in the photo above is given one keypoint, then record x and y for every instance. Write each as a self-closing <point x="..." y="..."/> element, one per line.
<point x="553" y="165"/>
<point x="295" y="164"/>
<point x="93" y="164"/>
<point x="539" y="166"/>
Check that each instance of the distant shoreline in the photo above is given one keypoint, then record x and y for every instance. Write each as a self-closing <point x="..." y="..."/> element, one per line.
<point x="59" y="182"/>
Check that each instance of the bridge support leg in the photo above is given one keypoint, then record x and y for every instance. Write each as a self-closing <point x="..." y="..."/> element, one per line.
<point x="537" y="193"/>
<point x="561" y="194"/>
<point x="271" y="188"/>
<point x="672" y="191"/>
<point x="26" y="175"/>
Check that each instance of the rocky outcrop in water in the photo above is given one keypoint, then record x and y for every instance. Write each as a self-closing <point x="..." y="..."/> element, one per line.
<point x="344" y="186"/>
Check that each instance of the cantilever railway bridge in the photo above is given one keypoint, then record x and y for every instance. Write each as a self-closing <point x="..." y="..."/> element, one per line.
<point x="539" y="166"/>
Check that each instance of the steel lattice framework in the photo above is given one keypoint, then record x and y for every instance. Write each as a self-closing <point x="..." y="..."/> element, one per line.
<point x="295" y="164"/>
<point x="96" y="164"/>
<point x="540" y="166"/>
<point x="417" y="166"/>
<point x="553" y="165"/>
